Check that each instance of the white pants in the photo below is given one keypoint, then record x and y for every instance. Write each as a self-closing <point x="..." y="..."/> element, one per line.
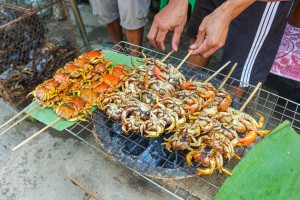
<point x="132" y="13"/>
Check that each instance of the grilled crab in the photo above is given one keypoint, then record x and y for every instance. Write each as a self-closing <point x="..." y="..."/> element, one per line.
<point x="153" y="127"/>
<point x="135" y="107"/>
<point x="95" y="56"/>
<point x="181" y="141"/>
<point x="72" y="109"/>
<point x="209" y="158"/>
<point x="167" y="72"/>
<point x="243" y="123"/>
<point x="113" y="110"/>
<point x="46" y="91"/>
<point x="219" y="142"/>
<point x="163" y="89"/>
<point x="132" y="123"/>
<point x="169" y="116"/>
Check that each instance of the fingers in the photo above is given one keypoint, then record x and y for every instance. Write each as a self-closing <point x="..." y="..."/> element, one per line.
<point x="206" y="48"/>
<point x="201" y="48"/>
<point x="156" y="37"/>
<point x="176" y="39"/>
<point x="152" y="35"/>
<point x="160" y="38"/>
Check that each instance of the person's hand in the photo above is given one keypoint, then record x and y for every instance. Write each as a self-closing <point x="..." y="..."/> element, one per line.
<point x="212" y="34"/>
<point x="214" y="28"/>
<point x="172" y="18"/>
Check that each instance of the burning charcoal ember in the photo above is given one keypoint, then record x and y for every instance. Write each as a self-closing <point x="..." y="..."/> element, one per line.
<point x="135" y="145"/>
<point x="153" y="155"/>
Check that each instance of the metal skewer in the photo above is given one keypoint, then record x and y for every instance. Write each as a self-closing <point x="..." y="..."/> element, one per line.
<point x="36" y="134"/>
<point x="251" y="96"/>
<point x="185" y="58"/>
<point x="22" y="111"/>
<point x="166" y="56"/>
<point x="228" y="75"/>
<point x="23" y="118"/>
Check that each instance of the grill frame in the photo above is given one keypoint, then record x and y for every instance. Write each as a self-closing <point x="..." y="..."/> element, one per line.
<point x="276" y="109"/>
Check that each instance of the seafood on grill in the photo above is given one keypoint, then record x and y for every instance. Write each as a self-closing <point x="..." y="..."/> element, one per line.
<point x="179" y="141"/>
<point x="81" y="85"/>
<point x="243" y="123"/>
<point x="153" y="127"/>
<point x="73" y="108"/>
<point x="209" y="158"/>
<point x="154" y="100"/>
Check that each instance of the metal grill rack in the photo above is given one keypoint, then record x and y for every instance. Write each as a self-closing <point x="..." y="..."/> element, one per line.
<point x="104" y="135"/>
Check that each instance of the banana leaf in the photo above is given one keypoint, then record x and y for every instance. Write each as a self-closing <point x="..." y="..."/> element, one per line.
<point x="47" y="115"/>
<point x="271" y="169"/>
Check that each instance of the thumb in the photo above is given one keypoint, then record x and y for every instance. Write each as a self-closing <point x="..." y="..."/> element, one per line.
<point x="176" y="39"/>
<point x="200" y="39"/>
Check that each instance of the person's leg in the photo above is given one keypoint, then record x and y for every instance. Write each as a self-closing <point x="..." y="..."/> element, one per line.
<point x="108" y="13"/>
<point x="133" y="16"/>
<point x="201" y="10"/>
<point x="253" y="41"/>
<point x="135" y="37"/>
<point x="115" y="30"/>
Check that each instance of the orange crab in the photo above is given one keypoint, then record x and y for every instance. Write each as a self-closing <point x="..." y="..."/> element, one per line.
<point x="102" y="88"/>
<point x="45" y="91"/>
<point x="102" y="67"/>
<point x="95" y="56"/>
<point x="252" y="126"/>
<point x="111" y="80"/>
<point x="88" y="95"/>
<point x="81" y="62"/>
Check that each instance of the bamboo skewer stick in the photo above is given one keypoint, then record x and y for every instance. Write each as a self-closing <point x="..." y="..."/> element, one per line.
<point x="36" y="134"/>
<point x="166" y="56"/>
<point x="22" y="111"/>
<point x="23" y="118"/>
<point x="218" y="71"/>
<point x="251" y="96"/>
<point x="228" y="75"/>
<point x="185" y="58"/>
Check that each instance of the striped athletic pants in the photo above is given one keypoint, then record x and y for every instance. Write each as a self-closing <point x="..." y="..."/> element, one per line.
<point x="253" y="38"/>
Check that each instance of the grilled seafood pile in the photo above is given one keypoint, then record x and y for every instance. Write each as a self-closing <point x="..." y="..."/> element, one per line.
<point x="80" y="85"/>
<point x="156" y="99"/>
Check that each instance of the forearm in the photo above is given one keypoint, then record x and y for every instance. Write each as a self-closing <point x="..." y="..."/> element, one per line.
<point x="179" y="3"/>
<point x="232" y="8"/>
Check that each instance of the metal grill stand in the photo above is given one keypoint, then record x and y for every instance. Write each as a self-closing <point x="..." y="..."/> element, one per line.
<point x="275" y="109"/>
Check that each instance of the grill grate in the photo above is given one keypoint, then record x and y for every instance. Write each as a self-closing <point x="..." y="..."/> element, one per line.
<point x="144" y="157"/>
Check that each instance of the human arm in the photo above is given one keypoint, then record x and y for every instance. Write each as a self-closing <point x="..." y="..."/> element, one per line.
<point x="214" y="28"/>
<point x="172" y="18"/>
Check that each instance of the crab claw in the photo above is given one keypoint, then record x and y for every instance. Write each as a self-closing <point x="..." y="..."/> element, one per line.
<point x="191" y="109"/>
<point x="188" y="85"/>
<point x="225" y="103"/>
<point x="261" y="120"/>
<point x="205" y="171"/>
<point x="247" y="139"/>
<point x="208" y="94"/>
<point x="158" y="74"/>
<point x="189" y="158"/>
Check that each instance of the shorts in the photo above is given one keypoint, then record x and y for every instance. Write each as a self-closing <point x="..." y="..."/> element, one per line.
<point x="132" y="13"/>
<point x="253" y="38"/>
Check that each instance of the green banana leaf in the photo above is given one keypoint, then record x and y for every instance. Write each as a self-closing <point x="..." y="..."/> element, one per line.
<point x="271" y="169"/>
<point x="47" y="115"/>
